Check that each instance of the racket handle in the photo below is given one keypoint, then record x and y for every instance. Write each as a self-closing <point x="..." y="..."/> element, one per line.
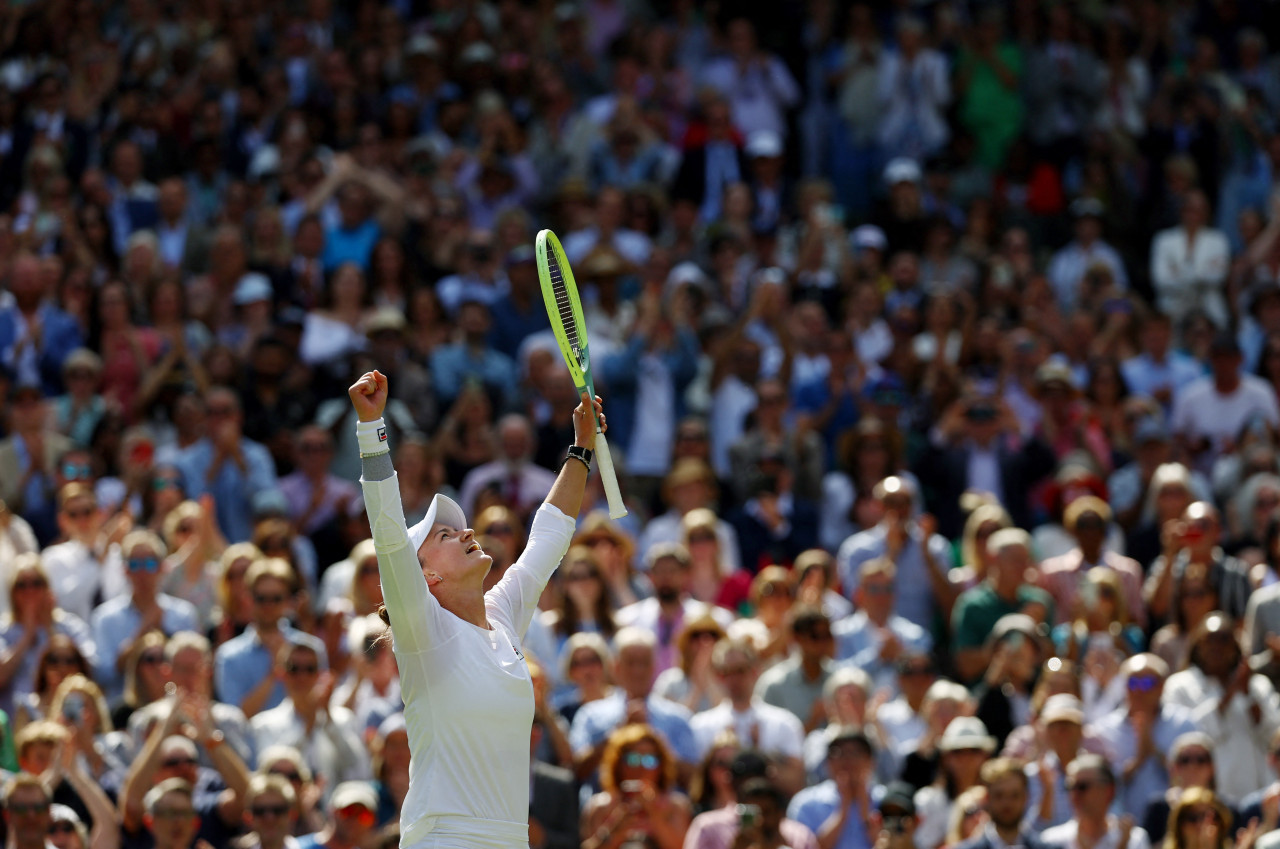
<point x="608" y="477"/>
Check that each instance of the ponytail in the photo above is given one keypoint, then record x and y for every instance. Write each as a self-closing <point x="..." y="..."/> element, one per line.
<point x="384" y="615"/>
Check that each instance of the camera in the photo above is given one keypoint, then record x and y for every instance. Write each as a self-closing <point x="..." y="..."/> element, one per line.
<point x="748" y="816"/>
<point x="73" y="707"/>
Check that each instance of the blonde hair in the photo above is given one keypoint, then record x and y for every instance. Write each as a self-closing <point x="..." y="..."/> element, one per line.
<point x="39" y="731"/>
<point x="81" y="684"/>
<point x="239" y="551"/>
<point x="185" y="510"/>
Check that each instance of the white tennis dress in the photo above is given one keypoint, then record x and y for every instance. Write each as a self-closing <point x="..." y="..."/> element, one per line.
<point x="467" y="692"/>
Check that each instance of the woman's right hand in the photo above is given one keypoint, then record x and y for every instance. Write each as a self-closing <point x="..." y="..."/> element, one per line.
<point x="369" y="395"/>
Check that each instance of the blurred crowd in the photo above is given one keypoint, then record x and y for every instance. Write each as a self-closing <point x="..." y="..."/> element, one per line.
<point x="940" y="342"/>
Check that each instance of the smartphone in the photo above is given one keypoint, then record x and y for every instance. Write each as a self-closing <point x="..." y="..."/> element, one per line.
<point x="895" y="824"/>
<point x="73" y="707"/>
<point x="748" y="816"/>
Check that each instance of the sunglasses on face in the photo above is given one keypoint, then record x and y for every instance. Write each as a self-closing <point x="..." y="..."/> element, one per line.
<point x="30" y="585"/>
<point x="144" y="564"/>
<point x="1197" y="817"/>
<point x="704" y="635"/>
<point x="77" y="515"/>
<point x="62" y="827"/>
<point x="174" y="814"/>
<point x="635" y="759"/>
<point x="19" y="809"/>
<point x="175" y="762"/>
<point x="62" y="660"/>
<point x="302" y="668"/>
<point x="1194" y="760"/>
<point x="77" y="471"/>
<point x="161" y="484"/>
<point x="151" y="658"/>
<point x="1082" y="786"/>
<point x="269" y="599"/>
<point x="269" y="810"/>
<point x="1143" y="683"/>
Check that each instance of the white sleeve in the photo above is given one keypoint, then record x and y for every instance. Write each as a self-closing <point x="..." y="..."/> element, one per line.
<point x="515" y="598"/>
<point x="416" y="622"/>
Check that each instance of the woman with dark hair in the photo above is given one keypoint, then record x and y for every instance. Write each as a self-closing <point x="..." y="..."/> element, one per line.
<point x="870" y="453"/>
<point x="638" y="803"/>
<point x="1106" y="392"/>
<point x="143" y="677"/>
<point x="1249" y="710"/>
<point x="711" y="787"/>
<point x="1194" y="598"/>
<point x="584" y="605"/>
<point x="127" y="351"/>
<point x="60" y="660"/>
<point x="389" y="278"/>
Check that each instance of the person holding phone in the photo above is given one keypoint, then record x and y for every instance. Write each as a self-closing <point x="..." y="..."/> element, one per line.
<point x="638" y="805"/>
<point x="467" y="689"/>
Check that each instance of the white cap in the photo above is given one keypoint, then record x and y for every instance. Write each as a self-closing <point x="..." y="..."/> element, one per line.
<point x="443" y="511"/>
<point x="478" y="53"/>
<point x="251" y="288"/>
<point x="687" y="273"/>
<point x="868" y="236"/>
<point x="966" y="732"/>
<point x="350" y="793"/>
<point x="764" y="144"/>
<point x="902" y="170"/>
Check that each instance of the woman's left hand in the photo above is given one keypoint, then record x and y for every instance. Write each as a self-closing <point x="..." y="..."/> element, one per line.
<point x="584" y="424"/>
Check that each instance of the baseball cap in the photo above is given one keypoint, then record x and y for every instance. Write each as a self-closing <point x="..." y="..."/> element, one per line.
<point x="350" y="793"/>
<point x="902" y="170"/>
<point x="253" y="287"/>
<point x="764" y="144"/>
<point x="899" y="798"/>
<point x="868" y="236"/>
<point x="1062" y="707"/>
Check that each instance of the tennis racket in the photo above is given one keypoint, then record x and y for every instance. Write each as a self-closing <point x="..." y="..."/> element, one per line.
<point x="560" y="294"/>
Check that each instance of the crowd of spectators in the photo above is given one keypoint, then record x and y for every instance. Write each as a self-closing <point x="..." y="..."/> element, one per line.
<point x="940" y="343"/>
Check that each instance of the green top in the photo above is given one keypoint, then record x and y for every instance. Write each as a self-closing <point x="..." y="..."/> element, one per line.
<point x="979" y="609"/>
<point x="992" y="111"/>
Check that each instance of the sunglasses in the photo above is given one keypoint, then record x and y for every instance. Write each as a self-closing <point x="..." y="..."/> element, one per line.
<point x="643" y="761"/>
<point x="302" y="668"/>
<point x="174" y="814"/>
<point x="35" y="808"/>
<point x="161" y="484"/>
<point x="1083" y="786"/>
<point x="269" y="599"/>
<point x="174" y="763"/>
<point x="269" y="810"/>
<point x="704" y="635"/>
<point x="1197" y="817"/>
<point x="63" y="827"/>
<point x="1143" y="683"/>
<point x="77" y="515"/>
<point x="30" y="585"/>
<point x="151" y="658"/>
<point x="1193" y="760"/>
<point x="144" y="564"/>
<point x="76" y="471"/>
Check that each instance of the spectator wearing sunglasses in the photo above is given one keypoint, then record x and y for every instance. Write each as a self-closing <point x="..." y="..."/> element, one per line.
<point x="875" y="638"/>
<point x="26" y="632"/>
<point x="26" y="812"/>
<point x="214" y="797"/>
<point x="172" y="818"/>
<point x="1137" y="735"/>
<point x="270" y="813"/>
<point x="245" y="673"/>
<point x="353" y="813"/>
<point x="287" y="762"/>
<point x="67" y="831"/>
<point x="119" y="623"/>
<point x="1092" y="787"/>
<point x="1190" y="768"/>
<point x="637" y="796"/>
<point x="311" y="720"/>
<point x="50" y="751"/>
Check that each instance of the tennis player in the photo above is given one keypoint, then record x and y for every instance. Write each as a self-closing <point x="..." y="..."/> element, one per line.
<point x="467" y="693"/>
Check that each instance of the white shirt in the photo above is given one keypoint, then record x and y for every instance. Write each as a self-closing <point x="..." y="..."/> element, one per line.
<point x="1068" y="267"/>
<point x="467" y="691"/>
<point x="75" y="576"/>
<point x="773" y="730"/>
<point x="758" y="93"/>
<point x="1200" y="410"/>
<point x="731" y="402"/>
<point x="667" y="528"/>
<point x="334" y="748"/>
<point x="1065" y="836"/>
<point x="1186" y="275"/>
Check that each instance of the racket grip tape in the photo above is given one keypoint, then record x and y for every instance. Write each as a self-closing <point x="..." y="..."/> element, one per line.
<point x="609" y="478"/>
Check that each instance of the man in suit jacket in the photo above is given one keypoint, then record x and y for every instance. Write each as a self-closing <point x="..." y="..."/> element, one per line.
<point x="1008" y="791"/>
<point x="36" y="337"/>
<point x="553" y="803"/>
<point x="713" y="159"/>
<point x="972" y="448"/>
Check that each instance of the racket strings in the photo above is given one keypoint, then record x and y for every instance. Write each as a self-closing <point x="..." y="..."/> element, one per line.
<point x="564" y="306"/>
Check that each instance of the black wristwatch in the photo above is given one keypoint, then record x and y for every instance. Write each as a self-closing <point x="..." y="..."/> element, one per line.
<point x="579" y="453"/>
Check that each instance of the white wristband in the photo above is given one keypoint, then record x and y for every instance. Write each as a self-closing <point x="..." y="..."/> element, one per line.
<point x="372" y="437"/>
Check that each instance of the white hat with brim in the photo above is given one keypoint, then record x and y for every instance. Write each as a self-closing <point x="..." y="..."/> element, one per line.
<point x="443" y="511"/>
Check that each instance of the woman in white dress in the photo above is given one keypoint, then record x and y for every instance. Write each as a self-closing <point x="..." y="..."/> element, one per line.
<point x="467" y="689"/>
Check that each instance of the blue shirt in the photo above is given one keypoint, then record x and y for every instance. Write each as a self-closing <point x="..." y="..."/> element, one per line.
<point x="813" y="806"/>
<point x="241" y="663"/>
<point x="858" y="643"/>
<point x="232" y="489"/>
<point x="1144" y="376"/>
<point x="24" y="678"/>
<point x="116" y="622"/>
<point x="342" y="245"/>
<point x="915" y="600"/>
<point x="452" y="365"/>
<point x="1152" y="778"/>
<point x="595" y="721"/>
